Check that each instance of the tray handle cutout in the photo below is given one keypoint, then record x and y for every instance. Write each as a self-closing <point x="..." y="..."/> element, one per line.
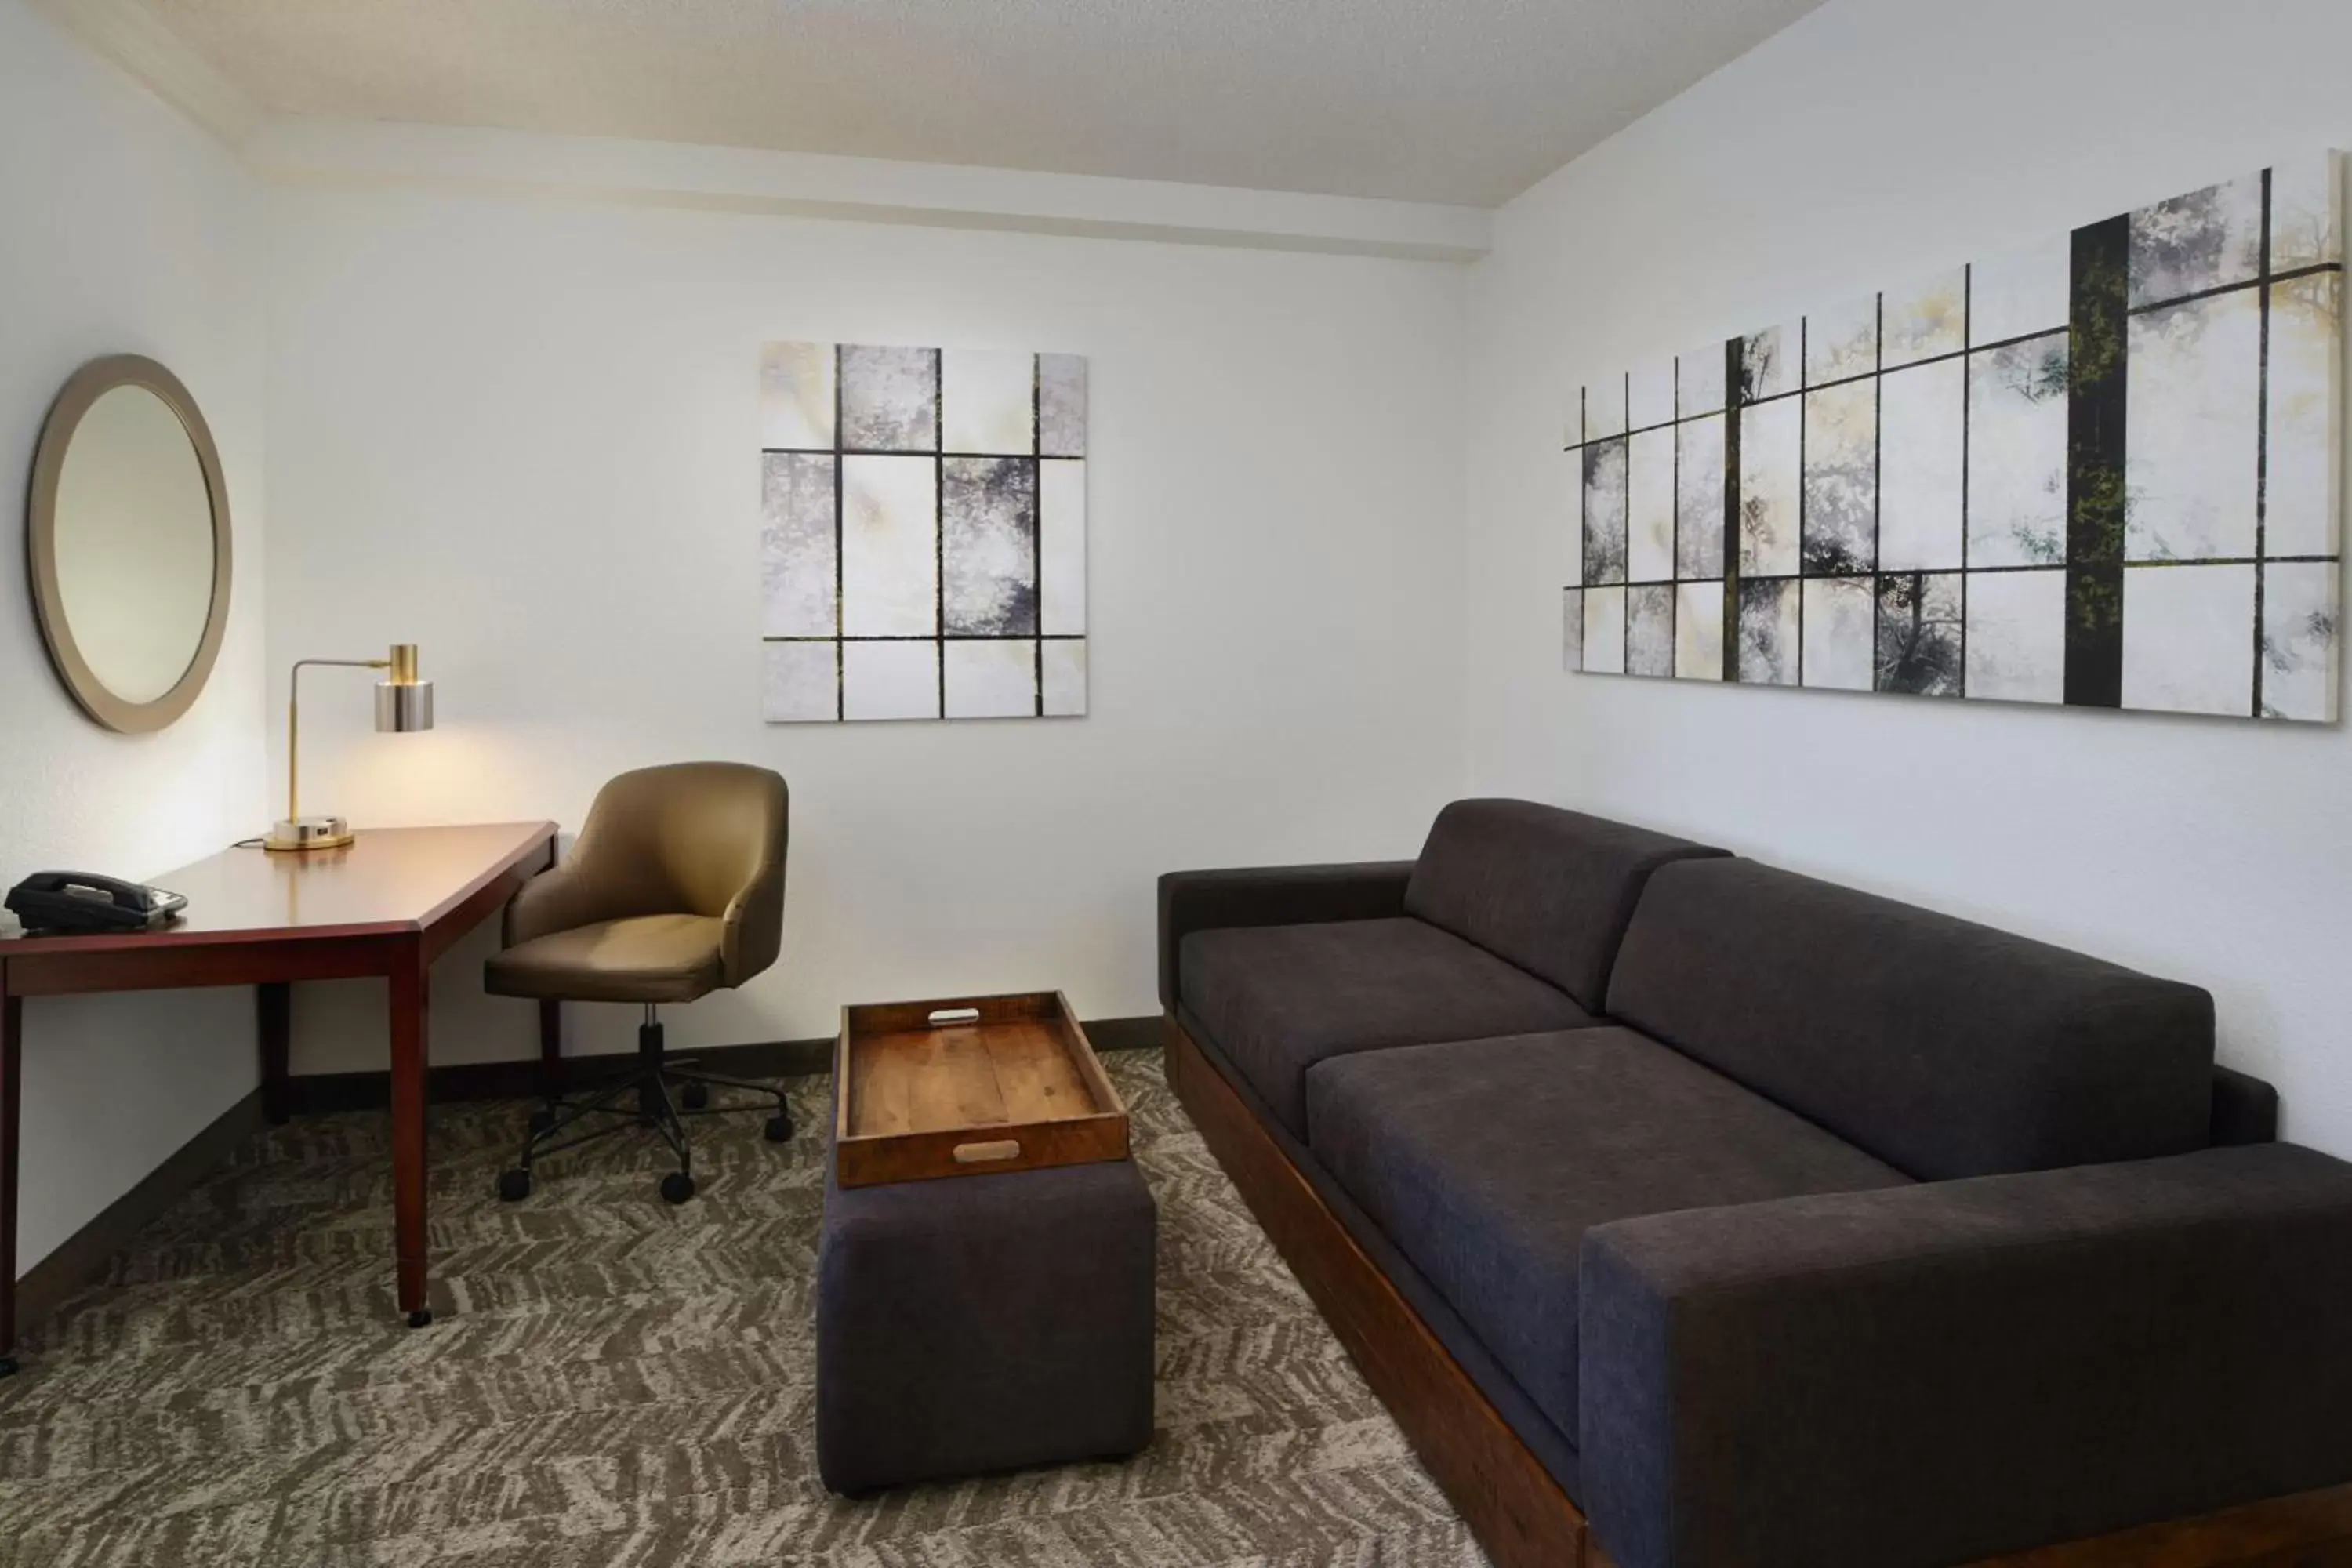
<point x="946" y="1017"/>
<point x="984" y="1153"/>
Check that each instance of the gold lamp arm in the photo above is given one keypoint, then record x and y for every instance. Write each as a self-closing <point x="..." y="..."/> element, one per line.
<point x="294" y="720"/>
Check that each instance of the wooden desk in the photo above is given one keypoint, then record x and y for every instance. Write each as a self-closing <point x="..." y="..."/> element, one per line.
<point x="389" y="904"/>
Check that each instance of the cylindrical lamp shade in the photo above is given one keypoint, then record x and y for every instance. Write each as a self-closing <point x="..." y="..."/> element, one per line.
<point x="404" y="706"/>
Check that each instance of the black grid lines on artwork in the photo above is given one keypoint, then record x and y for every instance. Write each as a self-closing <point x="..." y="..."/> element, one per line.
<point x="939" y="521"/>
<point x="1037" y="531"/>
<point x="1674" y="515"/>
<point x="840" y="654"/>
<point x="900" y="420"/>
<point x="1804" y="368"/>
<point x="2265" y="275"/>
<point x="2262" y="438"/>
<point x="1866" y="375"/>
<point x="1967" y="335"/>
<point x="1878" y="473"/>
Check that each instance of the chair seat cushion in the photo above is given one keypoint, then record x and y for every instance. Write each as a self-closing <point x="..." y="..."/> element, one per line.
<point x="648" y="958"/>
<point x="1278" y="999"/>
<point x="1485" y="1161"/>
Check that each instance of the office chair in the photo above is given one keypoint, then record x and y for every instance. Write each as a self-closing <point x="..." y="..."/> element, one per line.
<point x="674" y="890"/>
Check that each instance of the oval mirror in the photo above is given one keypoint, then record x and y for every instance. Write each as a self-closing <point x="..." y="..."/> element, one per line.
<point x="128" y="539"/>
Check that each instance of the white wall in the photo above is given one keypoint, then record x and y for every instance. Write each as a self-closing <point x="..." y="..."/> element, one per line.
<point x="1873" y="140"/>
<point x="127" y="230"/>
<point x="521" y="433"/>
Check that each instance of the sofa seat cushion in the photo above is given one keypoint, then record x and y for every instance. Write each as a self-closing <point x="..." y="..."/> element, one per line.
<point x="1485" y="1161"/>
<point x="1278" y="999"/>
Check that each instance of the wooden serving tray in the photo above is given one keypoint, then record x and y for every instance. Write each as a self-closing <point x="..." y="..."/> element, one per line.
<point x="968" y="1088"/>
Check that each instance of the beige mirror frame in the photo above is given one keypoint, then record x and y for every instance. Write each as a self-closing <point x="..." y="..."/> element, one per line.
<point x="89" y="383"/>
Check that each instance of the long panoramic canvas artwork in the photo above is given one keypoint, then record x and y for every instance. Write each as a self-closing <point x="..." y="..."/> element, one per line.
<point x="2103" y="472"/>
<point x="923" y="534"/>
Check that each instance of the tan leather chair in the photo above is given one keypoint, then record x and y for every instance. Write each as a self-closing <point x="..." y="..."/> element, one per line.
<point x="674" y="890"/>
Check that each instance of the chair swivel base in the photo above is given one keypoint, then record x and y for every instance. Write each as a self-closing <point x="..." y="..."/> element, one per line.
<point x="650" y="1094"/>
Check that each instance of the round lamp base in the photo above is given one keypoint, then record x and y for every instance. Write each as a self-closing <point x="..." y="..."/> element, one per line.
<point x="293" y="836"/>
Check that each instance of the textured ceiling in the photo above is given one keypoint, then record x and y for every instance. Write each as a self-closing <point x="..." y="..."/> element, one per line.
<point x="1442" y="100"/>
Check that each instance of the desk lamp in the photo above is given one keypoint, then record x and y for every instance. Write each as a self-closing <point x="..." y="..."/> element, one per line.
<point x="402" y="703"/>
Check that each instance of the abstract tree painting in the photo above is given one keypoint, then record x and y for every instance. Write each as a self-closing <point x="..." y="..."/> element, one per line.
<point x="2104" y="471"/>
<point x="923" y="534"/>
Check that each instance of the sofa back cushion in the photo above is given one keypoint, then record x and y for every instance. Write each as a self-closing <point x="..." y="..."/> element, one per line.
<point x="1944" y="1048"/>
<point x="1550" y="891"/>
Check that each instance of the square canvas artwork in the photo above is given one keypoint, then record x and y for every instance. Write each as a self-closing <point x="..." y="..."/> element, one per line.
<point x="923" y="534"/>
<point x="2101" y="472"/>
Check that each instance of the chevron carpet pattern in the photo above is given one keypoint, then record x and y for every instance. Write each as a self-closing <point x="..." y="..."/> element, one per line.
<point x="612" y="1381"/>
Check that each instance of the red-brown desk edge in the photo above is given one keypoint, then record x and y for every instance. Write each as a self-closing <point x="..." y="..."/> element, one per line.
<point x="387" y="905"/>
<point x="268" y="882"/>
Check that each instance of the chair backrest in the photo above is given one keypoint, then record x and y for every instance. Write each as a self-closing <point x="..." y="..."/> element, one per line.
<point x="701" y="839"/>
<point x="1944" y="1048"/>
<point x="1551" y="891"/>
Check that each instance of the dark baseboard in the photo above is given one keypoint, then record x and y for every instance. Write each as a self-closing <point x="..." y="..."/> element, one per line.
<point x="80" y="1259"/>
<point x="320" y="1092"/>
<point x="1124" y="1033"/>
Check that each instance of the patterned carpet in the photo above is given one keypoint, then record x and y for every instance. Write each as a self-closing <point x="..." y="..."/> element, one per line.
<point x="615" y="1381"/>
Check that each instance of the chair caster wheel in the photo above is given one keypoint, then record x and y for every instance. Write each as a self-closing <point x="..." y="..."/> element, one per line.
<point x="7" y="1366"/>
<point x="677" y="1186"/>
<point x="514" y="1185"/>
<point x="694" y="1096"/>
<point x="541" y="1120"/>
<point x="421" y="1318"/>
<point x="779" y="1129"/>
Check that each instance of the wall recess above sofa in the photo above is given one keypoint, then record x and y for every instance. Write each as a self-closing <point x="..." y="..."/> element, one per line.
<point x="2101" y="472"/>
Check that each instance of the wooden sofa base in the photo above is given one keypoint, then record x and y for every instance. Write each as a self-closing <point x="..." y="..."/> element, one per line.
<point x="1509" y="1500"/>
<point x="1511" y="1503"/>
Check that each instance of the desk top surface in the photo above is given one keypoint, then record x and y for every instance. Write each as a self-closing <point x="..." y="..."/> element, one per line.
<point x="388" y="880"/>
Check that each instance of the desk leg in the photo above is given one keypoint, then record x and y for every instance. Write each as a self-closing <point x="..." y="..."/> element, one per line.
<point x="409" y="998"/>
<point x="273" y="1012"/>
<point x="12" y="1106"/>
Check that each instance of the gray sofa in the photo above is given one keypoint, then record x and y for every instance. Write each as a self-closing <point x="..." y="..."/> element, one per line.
<point x="1780" y="1222"/>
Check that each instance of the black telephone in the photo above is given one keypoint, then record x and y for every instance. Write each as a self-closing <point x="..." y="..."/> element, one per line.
<point x="78" y="902"/>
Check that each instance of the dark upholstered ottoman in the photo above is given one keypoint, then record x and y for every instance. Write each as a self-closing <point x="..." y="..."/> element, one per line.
<point x="982" y="1323"/>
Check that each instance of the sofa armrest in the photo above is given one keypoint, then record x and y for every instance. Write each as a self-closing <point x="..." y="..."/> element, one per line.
<point x="1939" y="1372"/>
<point x="2245" y="1109"/>
<point x="1272" y="896"/>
